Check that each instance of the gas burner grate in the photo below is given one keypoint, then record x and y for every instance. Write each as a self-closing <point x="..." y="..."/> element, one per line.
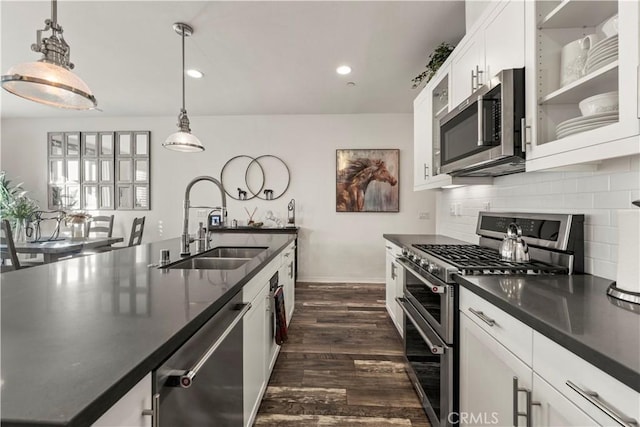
<point x="478" y="260"/>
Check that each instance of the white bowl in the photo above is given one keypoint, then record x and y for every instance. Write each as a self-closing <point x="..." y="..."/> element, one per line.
<point x="600" y="103"/>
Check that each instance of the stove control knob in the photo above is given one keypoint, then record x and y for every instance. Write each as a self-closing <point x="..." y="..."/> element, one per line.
<point x="433" y="268"/>
<point x="405" y="252"/>
<point x="424" y="263"/>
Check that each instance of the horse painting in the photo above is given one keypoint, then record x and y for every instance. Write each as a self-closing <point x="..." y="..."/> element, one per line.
<point x="354" y="179"/>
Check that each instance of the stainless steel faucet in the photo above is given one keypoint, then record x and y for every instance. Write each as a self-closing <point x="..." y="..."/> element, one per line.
<point x="186" y="240"/>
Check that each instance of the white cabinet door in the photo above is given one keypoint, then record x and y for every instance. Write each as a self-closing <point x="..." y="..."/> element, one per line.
<point x="391" y="288"/>
<point x="269" y="325"/>
<point x="504" y="40"/>
<point x="288" y="277"/>
<point x="127" y="412"/>
<point x="422" y="119"/>
<point x="254" y="356"/>
<point x="464" y="68"/>
<point x="487" y="371"/>
<point x="554" y="409"/>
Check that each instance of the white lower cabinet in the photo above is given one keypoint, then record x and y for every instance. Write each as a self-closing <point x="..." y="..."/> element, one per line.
<point x="554" y="409"/>
<point x="259" y="348"/>
<point x="131" y="408"/>
<point x="393" y="285"/>
<point x="288" y="279"/>
<point x="487" y="372"/>
<point x="565" y="389"/>
<point x="254" y="356"/>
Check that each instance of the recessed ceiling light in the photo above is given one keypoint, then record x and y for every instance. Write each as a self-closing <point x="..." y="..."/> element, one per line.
<point x="343" y="69"/>
<point x="351" y="83"/>
<point x="194" y="73"/>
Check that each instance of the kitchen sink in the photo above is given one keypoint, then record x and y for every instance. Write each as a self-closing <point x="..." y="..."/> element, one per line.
<point x="210" y="263"/>
<point x="234" y="252"/>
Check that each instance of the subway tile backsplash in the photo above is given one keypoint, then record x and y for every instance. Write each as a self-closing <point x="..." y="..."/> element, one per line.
<point x="597" y="194"/>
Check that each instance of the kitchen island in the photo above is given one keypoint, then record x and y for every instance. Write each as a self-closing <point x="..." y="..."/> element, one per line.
<point x="77" y="335"/>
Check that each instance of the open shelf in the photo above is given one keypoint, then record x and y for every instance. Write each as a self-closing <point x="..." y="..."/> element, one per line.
<point x="602" y="80"/>
<point x="575" y="14"/>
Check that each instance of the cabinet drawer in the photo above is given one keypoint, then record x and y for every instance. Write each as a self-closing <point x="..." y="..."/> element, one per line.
<point x="510" y="332"/>
<point x="559" y="366"/>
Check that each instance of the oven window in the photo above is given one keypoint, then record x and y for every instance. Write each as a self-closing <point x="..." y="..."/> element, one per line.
<point x="431" y="302"/>
<point x="426" y="366"/>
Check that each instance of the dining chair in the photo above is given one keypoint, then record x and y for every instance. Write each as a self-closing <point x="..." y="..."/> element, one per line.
<point x="137" y="228"/>
<point x="100" y="226"/>
<point x="8" y="250"/>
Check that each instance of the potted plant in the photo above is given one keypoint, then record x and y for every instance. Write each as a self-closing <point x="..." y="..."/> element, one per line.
<point x="16" y="206"/>
<point x="436" y="59"/>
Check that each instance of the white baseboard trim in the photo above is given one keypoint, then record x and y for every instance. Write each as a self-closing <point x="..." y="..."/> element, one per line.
<point x="324" y="279"/>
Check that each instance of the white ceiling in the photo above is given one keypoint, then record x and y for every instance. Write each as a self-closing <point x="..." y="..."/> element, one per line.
<point x="262" y="57"/>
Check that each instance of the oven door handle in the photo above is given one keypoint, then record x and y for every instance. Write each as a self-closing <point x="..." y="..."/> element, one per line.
<point x="436" y="289"/>
<point x="435" y="349"/>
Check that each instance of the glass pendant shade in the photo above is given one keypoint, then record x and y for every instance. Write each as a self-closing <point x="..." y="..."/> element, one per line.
<point x="183" y="141"/>
<point x="49" y="84"/>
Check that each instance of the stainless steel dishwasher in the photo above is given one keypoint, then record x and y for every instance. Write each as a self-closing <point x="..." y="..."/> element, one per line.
<point x="201" y="383"/>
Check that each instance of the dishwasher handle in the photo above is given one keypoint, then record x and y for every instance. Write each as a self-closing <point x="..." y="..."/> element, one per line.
<point x="186" y="378"/>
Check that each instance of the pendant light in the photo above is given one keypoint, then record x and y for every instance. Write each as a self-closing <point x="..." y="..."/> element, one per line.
<point x="183" y="140"/>
<point x="49" y="81"/>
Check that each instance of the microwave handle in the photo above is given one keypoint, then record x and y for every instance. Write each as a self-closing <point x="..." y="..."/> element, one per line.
<point x="481" y="141"/>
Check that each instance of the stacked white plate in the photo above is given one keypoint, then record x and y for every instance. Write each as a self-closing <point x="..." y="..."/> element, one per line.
<point x="585" y="123"/>
<point x="602" y="53"/>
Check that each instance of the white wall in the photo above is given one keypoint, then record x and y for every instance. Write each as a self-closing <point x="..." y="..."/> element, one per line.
<point x="598" y="195"/>
<point x="332" y="246"/>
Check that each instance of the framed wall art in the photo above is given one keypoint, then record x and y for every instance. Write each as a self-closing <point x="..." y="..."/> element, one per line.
<point x="367" y="180"/>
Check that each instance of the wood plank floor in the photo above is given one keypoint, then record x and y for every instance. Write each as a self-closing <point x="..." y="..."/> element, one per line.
<point x="342" y="365"/>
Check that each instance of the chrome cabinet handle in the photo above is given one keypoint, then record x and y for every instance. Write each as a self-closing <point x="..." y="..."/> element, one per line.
<point x="478" y="72"/>
<point x="154" y="412"/>
<point x="530" y="403"/>
<point x="388" y="247"/>
<point x="593" y="398"/>
<point x="473" y="77"/>
<point x="393" y="271"/>
<point x="489" y="321"/>
<point x="426" y="171"/>
<point x="291" y="270"/>
<point x="186" y="379"/>
<point x="523" y="136"/>
<point x="435" y="349"/>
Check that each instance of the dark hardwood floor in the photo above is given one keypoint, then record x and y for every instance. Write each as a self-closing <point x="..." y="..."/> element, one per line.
<point x="342" y="365"/>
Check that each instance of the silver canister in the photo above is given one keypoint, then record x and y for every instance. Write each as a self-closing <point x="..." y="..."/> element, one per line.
<point x="234" y="223"/>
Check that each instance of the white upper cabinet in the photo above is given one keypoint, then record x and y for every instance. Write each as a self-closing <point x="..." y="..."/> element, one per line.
<point x="421" y="139"/>
<point x="504" y="46"/>
<point x="428" y="107"/>
<point x="497" y="43"/>
<point x="560" y="135"/>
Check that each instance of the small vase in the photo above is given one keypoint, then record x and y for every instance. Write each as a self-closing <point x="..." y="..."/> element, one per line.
<point x="20" y="231"/>
<point x="77" y="230"/>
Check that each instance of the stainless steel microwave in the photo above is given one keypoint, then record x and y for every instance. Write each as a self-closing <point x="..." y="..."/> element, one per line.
<point x="483" y="136"/>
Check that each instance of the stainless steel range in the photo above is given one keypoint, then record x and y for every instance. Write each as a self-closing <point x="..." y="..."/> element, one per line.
<point x="554" y="244"/>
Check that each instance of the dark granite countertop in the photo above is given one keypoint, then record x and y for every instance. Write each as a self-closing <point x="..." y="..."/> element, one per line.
<point x="575" y="312"/>
<point x="78" y="334"/>
<point x="423" y="239"/>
